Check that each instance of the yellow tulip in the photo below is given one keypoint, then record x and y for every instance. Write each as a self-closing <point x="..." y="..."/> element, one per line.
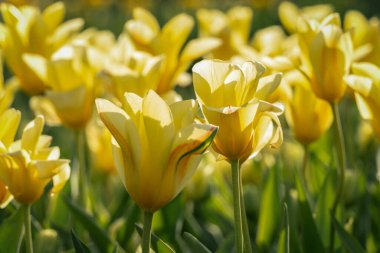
<point x="365" y="81"/>
<point x="232" y="29"/>
<point x="308" y="116"/>
<point x="289" y="14"/>
<point x="29" y="164"/>
<point x="232" y="97"/>
<point x="156" y="147"/>
<point x="27" y="30"/>
<point x="99" y="142"/>
<point x="5" y="195"/>
<point x="327" y="55"/>
<point x="72" y="78"/>
<point x="169" y="42"/>
<point x="365" y="36"/>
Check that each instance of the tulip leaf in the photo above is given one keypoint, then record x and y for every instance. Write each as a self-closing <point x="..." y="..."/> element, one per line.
<point x="348" y="241"/>
<point x="12" y="232"/>
<point x="269" y="209"/>
<point x="310" y="238"/>
<point x="79" y="246"/>
<point x="284" y="242"/>
<point x="97" y="234"/>
<point x="195" y="244"/>
<point x="157" y="244"/>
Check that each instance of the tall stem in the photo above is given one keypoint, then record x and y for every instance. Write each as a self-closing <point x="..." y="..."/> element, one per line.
<point x="81" y="173"/>
<point x="235" y="167"/>
<point x="305" y="163"/>
<point x="28" y="229"/>
<point x="148" y="218"/>
<point x="341" y="165"/>
<point x="246" y="237"/>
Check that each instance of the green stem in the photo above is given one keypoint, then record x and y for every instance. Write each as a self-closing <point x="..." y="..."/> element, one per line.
<point x="341" y="165"/>
<point x="28" y="229"/>
<point x="237" y="205"/>
<point x="246" y="237"/>
<point x="82" y="173"/>
<point x="305" y="164"/>
<point x="148" y="218"/>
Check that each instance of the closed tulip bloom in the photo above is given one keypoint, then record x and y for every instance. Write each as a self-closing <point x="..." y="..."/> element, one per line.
<point x="29" y="164"/>
<point x="325" y="45"/>
<point x="365" y="81"/>
<point x="27" y="30"/>
<point x="232" y="97"/>
<point x="156" y="147"/>
<point x="71" y="76"/>
<point x="308" y="116"/>
<point x="169" y="42"/>
<point x="232" y="28"/>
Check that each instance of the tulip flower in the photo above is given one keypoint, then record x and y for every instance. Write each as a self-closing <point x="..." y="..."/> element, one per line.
<point x="169" y="42"/>
<point x="322" y="46"/>
<point x="27" y="30"/>
<point x="232" y="29"/>
<point x="365" y="81"/>
<point x="290" y="14"/>
<point x="308" y="116"/>
<point x="29" y="164"/>
<point x="156" y="147"/>
<point x="365" y="36"/>
<point x="71" y="76"/>
<point x="232" y="97"/>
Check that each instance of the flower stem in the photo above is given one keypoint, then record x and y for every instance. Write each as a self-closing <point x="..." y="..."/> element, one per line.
<point x="81" y="168"/>
<point x="148" y="218"/>
<point x="246" y="237"/>
<point x="235" y="167"/>
<point x="341" y="165"/>
<point x="28" y="229"/>
<point x="305" y="163"/>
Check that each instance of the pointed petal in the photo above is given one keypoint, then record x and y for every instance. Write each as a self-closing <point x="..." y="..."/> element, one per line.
<point x="49" y="168"/>
<point x="9" y="121"/>
<point x="60" y="179"/>
<point x="32" y="133"/>
<point x="198" y="47"/>
<point x="53" y="15"/>
<point x="184" y="113"/>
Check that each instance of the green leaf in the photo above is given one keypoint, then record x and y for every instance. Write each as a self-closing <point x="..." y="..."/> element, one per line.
<point x="311" y="240"/>
<point x="79" y="246"/>
<point x="325" y="200"/>
<point x="195" y="244"/>
<point x="12" y="232"/>
<point x="157" y="244"/>
<point x="269" y="210"/>
<point x="348" y="241"/>
<point x="97" y="234"/>
<point x="284" y="241"/>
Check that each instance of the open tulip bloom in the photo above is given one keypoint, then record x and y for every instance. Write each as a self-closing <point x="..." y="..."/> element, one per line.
<point x="232" y="97"/>
<point x="156" y="148"/>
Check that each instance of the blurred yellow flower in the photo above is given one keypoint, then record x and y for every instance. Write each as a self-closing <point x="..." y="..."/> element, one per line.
<point x="327" y="55"/>
<point x="365" y="81"/>
<point x="289" y="14"/>
<point x="308" y="116"/>
<point x="232" y="28"/>
<point x="99" y="143"/>
<point x="29" y="164"/>
<point x="169" y="42"/>
<point x="156" y="147"/>
<point x="232" y="97"/>
<point x="365" y="36"/>
<point x="27" y="30"/>
<point x="5" y="195"/>
<point x="71" y="74"/>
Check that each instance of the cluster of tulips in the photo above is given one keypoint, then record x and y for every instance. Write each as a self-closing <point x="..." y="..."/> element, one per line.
<point x="120" y="96"/>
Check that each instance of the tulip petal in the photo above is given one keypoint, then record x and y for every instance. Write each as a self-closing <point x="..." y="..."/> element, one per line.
<point x="122" y="129"/>
<point x="184" y="113"/>
<point x="267" y="85"/>
<point x="32" y="133"/>
<point x="197" y="48"/>
<point x="37" y="64"/>
<point x="46" y="169"/>
<point x="60" y="179"/>
<point x="147" y="18"/>
<point x="53" y="15"/>
<point x="43" y="105"/>
<point x="9" y="121"/>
